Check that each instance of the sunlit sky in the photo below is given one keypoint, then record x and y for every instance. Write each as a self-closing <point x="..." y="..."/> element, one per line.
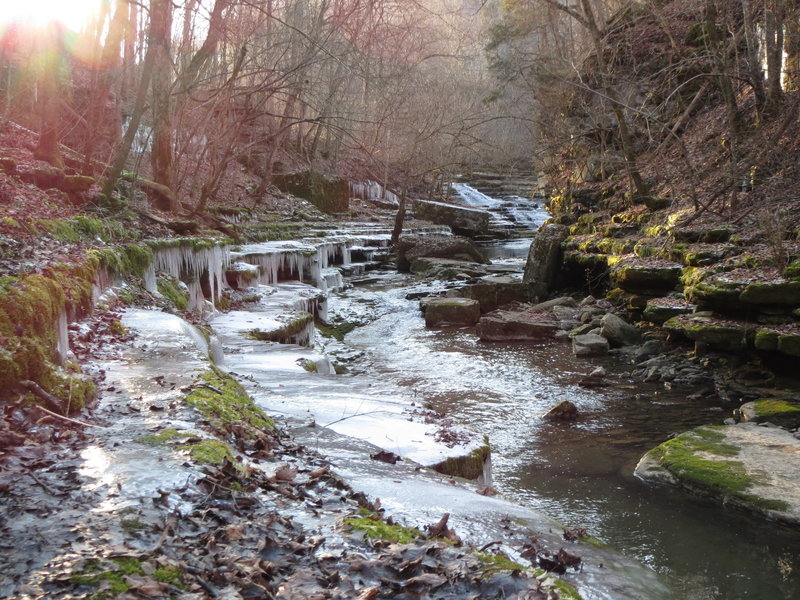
<point x="72" y="13"/>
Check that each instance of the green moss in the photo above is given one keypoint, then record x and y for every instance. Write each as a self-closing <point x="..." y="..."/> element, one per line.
<point x="172" y="290"/>
<point x="83" y="228"/>
<point x="469" y="466"/>
<point x="308" y="365"/>
<point x="336" y="329"/>
<point x="496" y="563"/>
<point x="170" y="575"/>
<point x="30" y="307"/>
<point x="164" y="436"/>
<point x="117" y="328"/>
<point x="376" y="529"/>
<point x="223" y="303"/>
<point x="110" y="576"/>
<point x="778" y="411"/>
<point x="11" y="222"/>
<point x="212" y="452"/>
<point x="683" y="456"/>
<point x="132" y="525"/>
<point x="766" y="339"/>
<point x="113" y="579"/>
<point x="285" y="333"/>
<point x="227" y="403"/>
<point x="792" y="271"/>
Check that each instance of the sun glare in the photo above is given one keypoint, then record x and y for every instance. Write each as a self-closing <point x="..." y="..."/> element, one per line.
<point x="72" y="13"/>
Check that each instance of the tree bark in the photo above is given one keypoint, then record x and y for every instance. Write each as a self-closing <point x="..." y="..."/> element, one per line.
<point x="640" y="189"/>
<point x="161" y="83"/>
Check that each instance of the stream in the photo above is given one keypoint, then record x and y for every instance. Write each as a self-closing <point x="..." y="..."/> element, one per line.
<point x="580" y="474"/>
<point x="394" y="371"/>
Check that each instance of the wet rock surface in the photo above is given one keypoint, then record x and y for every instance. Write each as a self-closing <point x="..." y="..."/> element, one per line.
<point x="744" y="465"/>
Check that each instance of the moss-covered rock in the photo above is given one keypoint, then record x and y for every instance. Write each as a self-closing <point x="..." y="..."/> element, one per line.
<point x="766" y="339"/>
<point x="32" y="315"/>
<point x="628" y="300"/>
<point x="715" y="291"/>
<point x="773" y="410"/>
<point x="328" y="195"/>
<point x="792" y="271"/>
<point x="776" y="293"/>
<point x="789" y="344"/>
<point x="452" y="311"/>
<point x="296" y="330"/>
<point x="494" y="292"/>
<point x="743" y="465"/>
<point x="173" y="290"/>
<point x="646" y="276"/>
<point x="660" y="310"/>
<point x="717" y="333"/>
<point x="470" y="466"/>
<point x="225" y="403"/>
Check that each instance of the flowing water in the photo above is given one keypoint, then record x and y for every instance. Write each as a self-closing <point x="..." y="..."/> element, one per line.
<point x="580" y="474"/>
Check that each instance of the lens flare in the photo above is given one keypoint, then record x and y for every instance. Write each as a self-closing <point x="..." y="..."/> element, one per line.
<point x="74" y="14"/>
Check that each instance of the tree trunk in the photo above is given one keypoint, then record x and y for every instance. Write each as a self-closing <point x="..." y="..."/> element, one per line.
<point x="791" y="77"/>
<point x="755" y="73"/>
<point x="124" y="148"/>
<point x="773" y="26"/>
<point x="640" y="189"/>
<point x="161" y="84"/>
<point x="399" y="218"/>
<point x="48" y="98"/>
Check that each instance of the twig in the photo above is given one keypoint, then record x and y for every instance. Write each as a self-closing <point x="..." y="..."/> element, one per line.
<point x="63" y="418"/>
<point x="41" y="483"/>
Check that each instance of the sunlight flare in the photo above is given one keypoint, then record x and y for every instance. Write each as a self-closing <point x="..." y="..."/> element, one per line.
<point x="74" y="14"/>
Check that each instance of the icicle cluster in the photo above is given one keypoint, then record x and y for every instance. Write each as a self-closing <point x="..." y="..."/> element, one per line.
<point x="186" y="261"/>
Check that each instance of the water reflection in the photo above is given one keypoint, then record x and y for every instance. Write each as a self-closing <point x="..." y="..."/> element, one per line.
<point x="582" y="473"/>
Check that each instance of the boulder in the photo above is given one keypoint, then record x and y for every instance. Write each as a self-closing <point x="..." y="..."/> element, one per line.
<point x="544" y="258"/>
<point x="651" y="276"/>
<point x="328" y="195"/>
<point x="590" y="344"/>
<point x="74" y="184"/>
<point x="467" y="221"/>
<point x="508" y="326"/>
<point x="619" y="332"/>
<point x="777" y="411"/>
<point x="564" y="411"/>
<point x="451" y="311"/>
<point x="446" y="269"/>
<point x="744" y="465"/>
<point x="660" y="310"/>
<point x="494" y="292"/>
<point x="718" y="333"/>
<point x="648" y="350"/>
<point x="410" y="248"/>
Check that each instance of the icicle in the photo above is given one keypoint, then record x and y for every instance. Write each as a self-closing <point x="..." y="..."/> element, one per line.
<point x="62" y="344"/>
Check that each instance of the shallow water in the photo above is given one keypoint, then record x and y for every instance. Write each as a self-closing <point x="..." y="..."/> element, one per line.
<point x="580" y="474"/>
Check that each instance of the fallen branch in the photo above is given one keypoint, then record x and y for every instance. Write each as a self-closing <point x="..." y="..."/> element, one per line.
<point x="52" y="401"/>
<point x="63" y="418"/>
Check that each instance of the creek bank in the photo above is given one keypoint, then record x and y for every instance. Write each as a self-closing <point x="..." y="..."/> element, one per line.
<point x="149" y="522"/>
<point x="727" y="289"/>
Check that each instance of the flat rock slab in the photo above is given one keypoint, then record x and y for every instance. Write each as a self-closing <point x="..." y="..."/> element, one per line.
<point x="468" y="220"/>
<point x="451" y="311"/>
<point x="747" y="465"/>
<point x="508" y="326"/>
<point x="590" y="344"/>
